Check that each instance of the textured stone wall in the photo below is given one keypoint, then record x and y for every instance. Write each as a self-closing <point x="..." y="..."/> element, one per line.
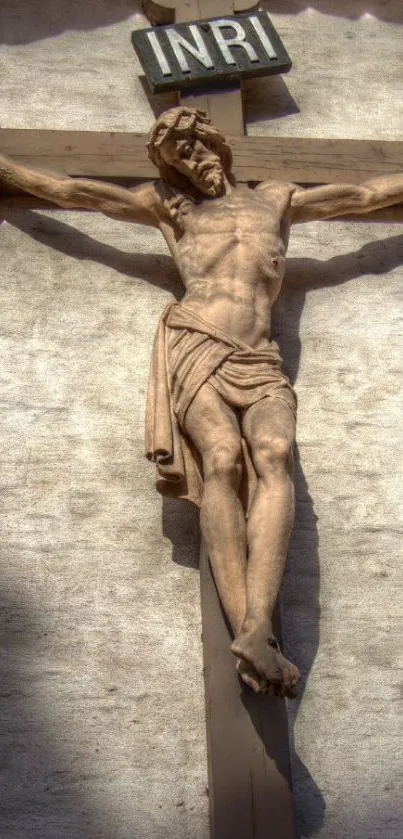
<point x="102" y="693"/>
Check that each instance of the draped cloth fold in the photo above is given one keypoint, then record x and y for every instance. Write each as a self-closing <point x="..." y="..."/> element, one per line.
<point x="188" y="352"/>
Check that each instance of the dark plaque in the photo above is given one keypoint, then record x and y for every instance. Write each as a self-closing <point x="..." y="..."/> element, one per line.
<point x="206" y="53"/>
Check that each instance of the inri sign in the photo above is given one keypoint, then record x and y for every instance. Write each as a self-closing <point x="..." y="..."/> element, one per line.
<point x="206" y="52"/>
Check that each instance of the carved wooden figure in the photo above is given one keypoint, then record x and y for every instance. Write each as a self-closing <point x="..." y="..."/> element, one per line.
<point x="221" y="413"/>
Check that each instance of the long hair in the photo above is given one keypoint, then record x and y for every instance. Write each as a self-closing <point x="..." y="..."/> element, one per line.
<point x="186" y="123"/>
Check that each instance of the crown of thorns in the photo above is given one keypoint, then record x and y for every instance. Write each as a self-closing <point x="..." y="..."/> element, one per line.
<point x="184" y="123"/>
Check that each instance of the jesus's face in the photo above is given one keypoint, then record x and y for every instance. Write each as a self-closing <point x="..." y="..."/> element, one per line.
<point x="198" y="163"/>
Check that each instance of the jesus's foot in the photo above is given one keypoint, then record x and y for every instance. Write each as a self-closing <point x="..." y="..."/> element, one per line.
<point x="248" y="675"/>
<point x="266" y="670"/>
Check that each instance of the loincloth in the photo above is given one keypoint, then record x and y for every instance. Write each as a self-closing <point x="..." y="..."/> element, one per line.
<point x="189" y="352"/>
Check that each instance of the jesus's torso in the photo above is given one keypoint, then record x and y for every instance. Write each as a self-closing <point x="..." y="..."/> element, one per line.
<point x="231" y="257"/>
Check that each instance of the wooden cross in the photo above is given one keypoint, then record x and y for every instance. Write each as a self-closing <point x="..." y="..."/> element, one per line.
<point x="249" y="776"/>
<point x="248" y="753"/>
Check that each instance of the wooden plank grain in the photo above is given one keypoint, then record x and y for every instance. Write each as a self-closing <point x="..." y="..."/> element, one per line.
<point x="314" y="161"/>
<point x="82" y="153"/>
<point x="118" y="154"/>
<point x="248" y="754"/>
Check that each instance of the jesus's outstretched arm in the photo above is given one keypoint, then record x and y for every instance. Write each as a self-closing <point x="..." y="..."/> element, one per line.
<point x="141" y="205"/>
<point x="333" y="200"/>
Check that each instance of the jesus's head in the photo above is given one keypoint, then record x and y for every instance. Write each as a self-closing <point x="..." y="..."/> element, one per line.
<point x="184" y="143"/>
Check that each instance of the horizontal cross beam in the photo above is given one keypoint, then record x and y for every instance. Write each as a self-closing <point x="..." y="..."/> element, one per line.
<point x="124" y="155"/>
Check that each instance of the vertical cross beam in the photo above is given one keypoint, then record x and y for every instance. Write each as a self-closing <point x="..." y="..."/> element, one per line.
<point x="248" y="758"/>
<point x="225" y="107"/>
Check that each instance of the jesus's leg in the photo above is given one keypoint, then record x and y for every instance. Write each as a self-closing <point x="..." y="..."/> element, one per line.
<point x="214" y="429"/>
<point x="269" y="428"/>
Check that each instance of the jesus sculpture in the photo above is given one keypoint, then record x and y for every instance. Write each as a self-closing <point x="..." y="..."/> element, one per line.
<point x="221" y="413"/>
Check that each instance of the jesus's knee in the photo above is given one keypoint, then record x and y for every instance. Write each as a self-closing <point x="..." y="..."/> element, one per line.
<point x="224" y="461"/>
<point x="272" y="455"/>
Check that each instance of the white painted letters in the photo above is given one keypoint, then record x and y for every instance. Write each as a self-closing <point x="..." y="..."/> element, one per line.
<point x="191" y="55"/>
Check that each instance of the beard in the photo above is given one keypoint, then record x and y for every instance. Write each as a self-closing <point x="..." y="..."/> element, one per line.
<point x="211" y="181"/>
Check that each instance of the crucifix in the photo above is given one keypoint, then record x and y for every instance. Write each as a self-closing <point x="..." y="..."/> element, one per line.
<point x="235" y="422"/>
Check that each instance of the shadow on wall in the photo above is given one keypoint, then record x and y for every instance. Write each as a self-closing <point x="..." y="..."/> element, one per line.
<point x="157" y="269"/>
<point x="301" y="584"/>
<point x="46" y="795"/>
<point x="29" y="743"/>
<point x="24" y="21"/>
<point x="350" y="9"/>
<point x="300" y="590"/>
<point x="40" y="796"/>
<point x="58" y="777"/>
